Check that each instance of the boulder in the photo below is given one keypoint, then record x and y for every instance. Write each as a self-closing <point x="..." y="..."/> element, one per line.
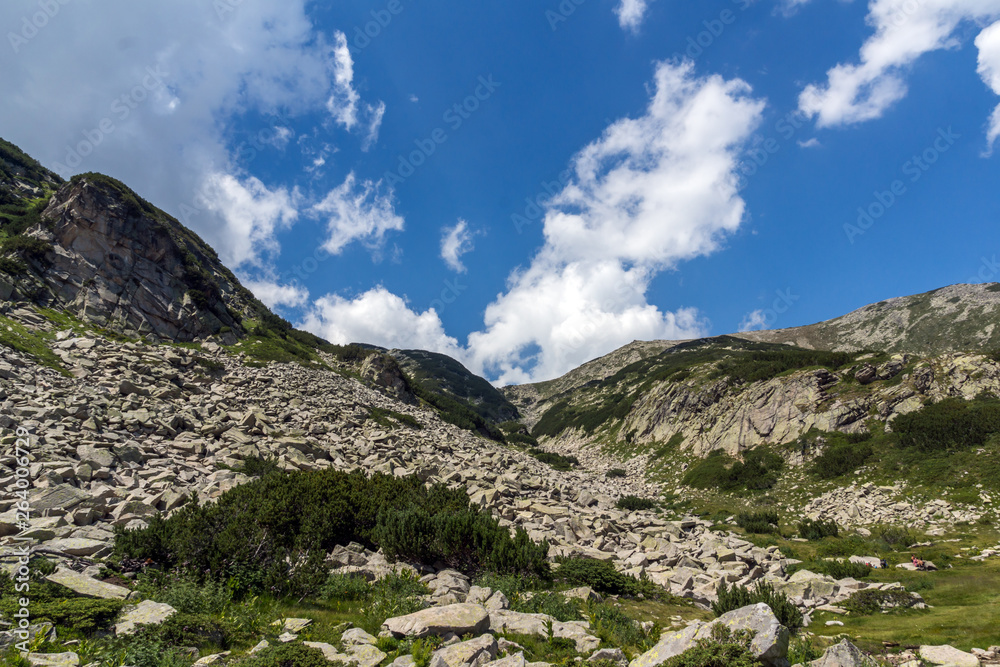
<point x="844" y="654"/>
<point x="615" y="655"/>
<point x="459" y="619"/>
<point x="474" y="653"/>
<point x="87" y="586"/>
<point x="146" y="613"/>
<point x="769" y="644"/>
<point x="516" y="660"/>
<point x="949" y="656"/>
<point x="68" y="659"/>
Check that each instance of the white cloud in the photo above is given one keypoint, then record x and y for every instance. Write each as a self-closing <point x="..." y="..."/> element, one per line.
<point x="455" y="242"/>
<point x="358" y="212"/>
<point x="652" y="191"/>
<point x="903" y="31"/>
<point x="375" y="122"/>
<point x="988" y="43"/>
<point x="380" y="318"/>
<point x="753" y="321"/>
<point x="630" y="13"/>
<point x="146" y="92"/>
<point x="250" y="215"/>
<point x="810" y="143"/>
<point x="274" y="294"/>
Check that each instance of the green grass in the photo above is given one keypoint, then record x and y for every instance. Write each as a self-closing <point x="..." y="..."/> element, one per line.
<point x="17" y="337"/>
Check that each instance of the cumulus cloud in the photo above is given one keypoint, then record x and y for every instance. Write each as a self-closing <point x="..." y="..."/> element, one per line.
<point x="812" y="142"/>
<point x="988" y="43"/>
<point x="274" y="294"/>
<point x="249" y="213"/>
<point x="381" y="318"/>
<point x="630" y="13"/>
<point x="147" y="91"/>
<point x="358" y="212"/>
<point x="455" y="242"/>
<point x="651" y="192"/>
<point x="903" y="31"/>
<point x="753" y="321"/>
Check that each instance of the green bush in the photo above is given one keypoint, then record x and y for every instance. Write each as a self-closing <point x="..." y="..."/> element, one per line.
<point x="557" y="461"/>
<point x="759" y="522"/>
<point x="841" y="458"/>
<point x="345" y="587"/>
<point x="758" y="471"/>
<point x="635" y="503"/>
<point x="817" y="530"/>
<point x="287" y="655"/>
<point x="834" y="568"/>
<point x="724" y="649"/>
<point x="738" y="597"/>
<point x="872" y="601"/>
<point x="81" y="614"/>
<point x="603" y="577"/>
<point x="547" y="602"/>
<point x="260" y="466"/>
<point x="615" y="628"/>
<point x="615" y="472"/>
<point x="272" y="534"/>
<point x="949" y="424"/>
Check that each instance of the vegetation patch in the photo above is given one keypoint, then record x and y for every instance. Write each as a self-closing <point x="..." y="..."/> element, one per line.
<point x="272" y="534"/>
<point x="816" y="530"/>
<point x="557" y="461"/>
<point x="635" y="503"/>
<point x="738" y="597"/>
<point x="759" y="522"/>
<point x="758" y="471"/>
<point x="873" y="601"/>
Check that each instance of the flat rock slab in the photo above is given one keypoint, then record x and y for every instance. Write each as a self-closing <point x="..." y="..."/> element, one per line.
<point x="769" y="644"/>
<point x="76" y="546"/>
<point x="86" y="586"/>
<point x="61" y="497"/>
<point x="147" y="613"/>
<point x="948" y="656"/>
<point x="519" y="623"/>
<point x="457" y="618"/>
<point x="68" y="659"/>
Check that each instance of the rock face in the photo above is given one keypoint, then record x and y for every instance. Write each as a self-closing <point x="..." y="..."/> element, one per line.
<point x="146" y="613"/>
<point x="844" y="654"/>
<point x="120" y="263"/>
<point x="769" y="644"/>
<point x="458" y="619"/>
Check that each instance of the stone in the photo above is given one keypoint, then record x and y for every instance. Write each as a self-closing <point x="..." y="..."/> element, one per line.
<point x="365" y="655"/>
<point x="515" y="660"/>
<point x="67" y="659"/>
<point x="459" y="619"/>
<point x="87" y="586"/>
<point x="75" y="546"/>
<point x="769" y="643"/>
<point x="357" y="637"/>
<point x="948" y="656"/>
<point x="146" y="613"/>
<point x="585" y="593"/>
<point x="295" y="625"/>
<point x="329" y="652"/>
<point x="844" y="654"/>
<point x="615" y="655"/>
<point x="474" y="652"/>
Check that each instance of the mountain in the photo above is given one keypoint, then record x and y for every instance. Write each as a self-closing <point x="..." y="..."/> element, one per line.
<point x="958" y="318"/>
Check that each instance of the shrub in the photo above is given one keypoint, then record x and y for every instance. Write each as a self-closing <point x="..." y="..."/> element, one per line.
<point x="724" y="649"/>
<point x="834" y="568"/>
<point x="817" y="530"/>
<point x="949" y="424"/>
<point x="841" y="458"/>
<point x="738" y="597"/>
<point x="603" y="577"/>
<point x="612" y="626"/>
<point x="635" y="503"/>
<point x="548" y="602"/>
<point x="345" y="587"/>
<point x="273" y="533"/>
<point x="557" y="461"/>
<point x="81" y="614"/>
<point x="287" y="655"/>
<point x="615" y="472"/>
<point x="392" y="595"/>
<point x="259" y="466"/>
<point x="758" y="471"/>
<point x="760" y="522"/>
<point x="26" y="246"/>
<point x="872" y="601"/>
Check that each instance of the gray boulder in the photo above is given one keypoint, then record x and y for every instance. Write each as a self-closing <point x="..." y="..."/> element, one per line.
<point x="474" y="652"/>
<point x="844" y="654"/>
<point x="146" y="613"/>
<point x="769" y="644"/>
<point x="459" y="619"/>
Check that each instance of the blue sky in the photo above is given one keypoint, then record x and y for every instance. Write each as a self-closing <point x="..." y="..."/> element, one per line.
<point x="529" y="185"/>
